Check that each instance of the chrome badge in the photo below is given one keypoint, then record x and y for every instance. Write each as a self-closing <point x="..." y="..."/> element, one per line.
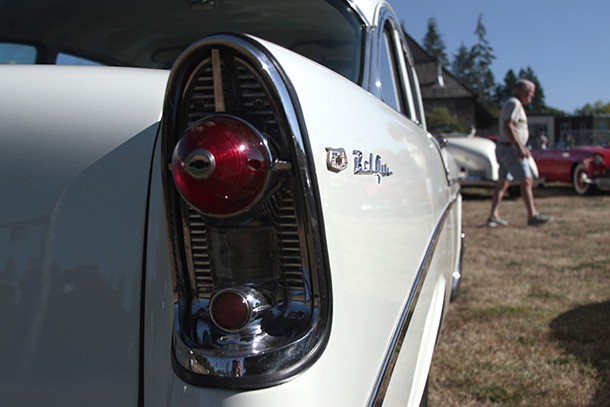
<point x="373" y="166"/>
<point x="336" y="159"/>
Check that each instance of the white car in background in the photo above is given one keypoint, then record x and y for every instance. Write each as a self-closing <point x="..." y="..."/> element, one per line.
<point x="476" y="158"/>
<point x="252" y="218"/>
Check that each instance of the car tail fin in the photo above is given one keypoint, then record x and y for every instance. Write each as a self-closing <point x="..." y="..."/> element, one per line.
<point x="252" y="287"/>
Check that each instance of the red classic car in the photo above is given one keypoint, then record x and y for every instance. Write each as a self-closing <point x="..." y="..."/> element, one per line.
<point x="584" y="167"/>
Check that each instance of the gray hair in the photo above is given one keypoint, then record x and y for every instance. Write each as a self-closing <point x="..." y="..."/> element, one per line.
<point x="524" y="84"/>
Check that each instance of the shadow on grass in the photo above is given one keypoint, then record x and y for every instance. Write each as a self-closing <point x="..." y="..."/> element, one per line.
<point x="585" y="332"/>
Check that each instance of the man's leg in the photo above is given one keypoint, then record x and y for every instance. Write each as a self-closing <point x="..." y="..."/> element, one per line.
<point x="527" y="192"/>
<point x="499" y="192"/>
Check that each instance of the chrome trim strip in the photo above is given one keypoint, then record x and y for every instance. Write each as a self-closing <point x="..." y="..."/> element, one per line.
<point x="385" y="373"/>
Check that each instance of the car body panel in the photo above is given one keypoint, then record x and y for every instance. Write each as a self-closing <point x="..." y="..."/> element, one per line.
<point x="76" y="171"/>
<point x="476" y="157"/>
<point x="86" y="263"/>
<point x="368" y="259"/>
<point x="558" y="165"/>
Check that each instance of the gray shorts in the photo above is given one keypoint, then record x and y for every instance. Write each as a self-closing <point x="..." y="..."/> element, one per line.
<point x="512" y="168"/>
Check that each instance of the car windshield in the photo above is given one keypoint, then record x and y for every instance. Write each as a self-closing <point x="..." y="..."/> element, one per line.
<point x="152" y="33"/>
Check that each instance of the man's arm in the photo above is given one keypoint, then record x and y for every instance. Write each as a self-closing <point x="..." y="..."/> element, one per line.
<point x="509" y="128"/>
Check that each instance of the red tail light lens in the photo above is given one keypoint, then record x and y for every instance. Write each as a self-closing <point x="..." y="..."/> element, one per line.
<point x="221" y="166"/>
<point x="230" y="310"/>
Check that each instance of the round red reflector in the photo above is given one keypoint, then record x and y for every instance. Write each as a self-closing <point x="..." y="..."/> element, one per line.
<point x="230" y="310"/>
<point x="221" y="166"/>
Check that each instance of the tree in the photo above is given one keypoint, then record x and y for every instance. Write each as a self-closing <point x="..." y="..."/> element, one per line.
<point x="505" y="90"/>
<point x="462" y="64"/>
<point x="433" y="43"/>
<point x="440" y="120"/>
<point x="482" y="54"/>
<point x="473" y="66"/>
<point x="538" y="105"/>
<point x="596" y="108"/>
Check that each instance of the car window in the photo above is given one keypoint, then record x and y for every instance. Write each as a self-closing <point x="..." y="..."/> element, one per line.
<point x="414" y="91"/>
<point x="387" y="83"/>
<point x="397" y="81"/>
<point x="68" y="59"/>
<point x="120" y="33"/>
<point x="17" y="53"/>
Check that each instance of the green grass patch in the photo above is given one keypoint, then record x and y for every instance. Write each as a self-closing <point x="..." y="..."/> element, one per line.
<point x="588" y="265"/>
<point x="506" y="311"/>
<point x="496" y="393"/>
<point x="540" y="294"/>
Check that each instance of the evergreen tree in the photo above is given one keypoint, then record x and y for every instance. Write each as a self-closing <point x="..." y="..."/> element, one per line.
<point x="538" y="105"/>
<point x="433" y="43"/>
<point x="462" y="64"/>
<point x="596" y="108"/>
<point x="482" y="54"/>
<point x="473" y="66"/>
<point x="505" y="90"/>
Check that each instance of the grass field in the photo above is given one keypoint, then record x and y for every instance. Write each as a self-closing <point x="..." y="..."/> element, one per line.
<point x="532" y="324"/>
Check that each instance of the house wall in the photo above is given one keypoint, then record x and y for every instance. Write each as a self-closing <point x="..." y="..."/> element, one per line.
<point x="572" y="130"/>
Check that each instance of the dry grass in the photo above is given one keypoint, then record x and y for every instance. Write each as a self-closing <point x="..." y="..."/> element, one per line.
<point x="532" y="324"/>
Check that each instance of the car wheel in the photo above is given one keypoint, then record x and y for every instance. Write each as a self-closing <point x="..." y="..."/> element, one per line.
<point x="514" y="191"/>
<point x="578" y="179"/>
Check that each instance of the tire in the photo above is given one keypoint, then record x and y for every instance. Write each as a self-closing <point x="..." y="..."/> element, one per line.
<point x="514" y="191"/>
<point x="580" y="186"/>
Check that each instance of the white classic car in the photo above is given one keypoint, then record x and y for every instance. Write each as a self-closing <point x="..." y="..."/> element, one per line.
<point x="476" y="158"/>
<point x="257" y="217"/>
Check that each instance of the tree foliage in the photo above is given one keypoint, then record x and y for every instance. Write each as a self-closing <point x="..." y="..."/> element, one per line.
<point x="505" y="90"/>
<point x="472" y="65"/>
<point x="538" y="105"/>
<point x="463" y="64"/>
<point x="433" y="43"/>
<point x="482" y="54"/>
<point x="440" y="120"/>
<point x="597" y="108"/>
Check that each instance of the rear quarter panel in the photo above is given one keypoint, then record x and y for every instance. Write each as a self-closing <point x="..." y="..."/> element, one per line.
<point x="376" y="234"/>
<point x="75" y="159"/>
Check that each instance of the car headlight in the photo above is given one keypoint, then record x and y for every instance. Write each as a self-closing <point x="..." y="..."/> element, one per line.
<point x="598" y="159"/>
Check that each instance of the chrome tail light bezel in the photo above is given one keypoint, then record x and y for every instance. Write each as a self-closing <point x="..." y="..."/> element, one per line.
<point x="277" y="360"/>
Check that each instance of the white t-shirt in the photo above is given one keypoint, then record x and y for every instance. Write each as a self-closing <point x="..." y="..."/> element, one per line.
<point x="513" y="110"/>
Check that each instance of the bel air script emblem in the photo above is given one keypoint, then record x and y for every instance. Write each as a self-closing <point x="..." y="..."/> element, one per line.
<point x="373" y="166"/>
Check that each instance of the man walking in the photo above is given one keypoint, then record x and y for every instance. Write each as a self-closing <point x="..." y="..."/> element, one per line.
<point x="512" y="154"/>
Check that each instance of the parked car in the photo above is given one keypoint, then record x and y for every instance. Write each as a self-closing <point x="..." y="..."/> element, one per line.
<point x="476" y="158"/>
<point x="257" y="217"/>
<point x="586" y="168"/>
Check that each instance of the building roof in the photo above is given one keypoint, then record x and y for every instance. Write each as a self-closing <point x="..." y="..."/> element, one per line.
<point x="428" y="73"/>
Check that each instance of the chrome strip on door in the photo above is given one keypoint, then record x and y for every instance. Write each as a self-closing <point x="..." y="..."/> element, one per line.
<point x="385" y="374"/>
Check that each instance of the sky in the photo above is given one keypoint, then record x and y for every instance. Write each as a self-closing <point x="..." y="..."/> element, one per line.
<point x="566" y="43"/>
